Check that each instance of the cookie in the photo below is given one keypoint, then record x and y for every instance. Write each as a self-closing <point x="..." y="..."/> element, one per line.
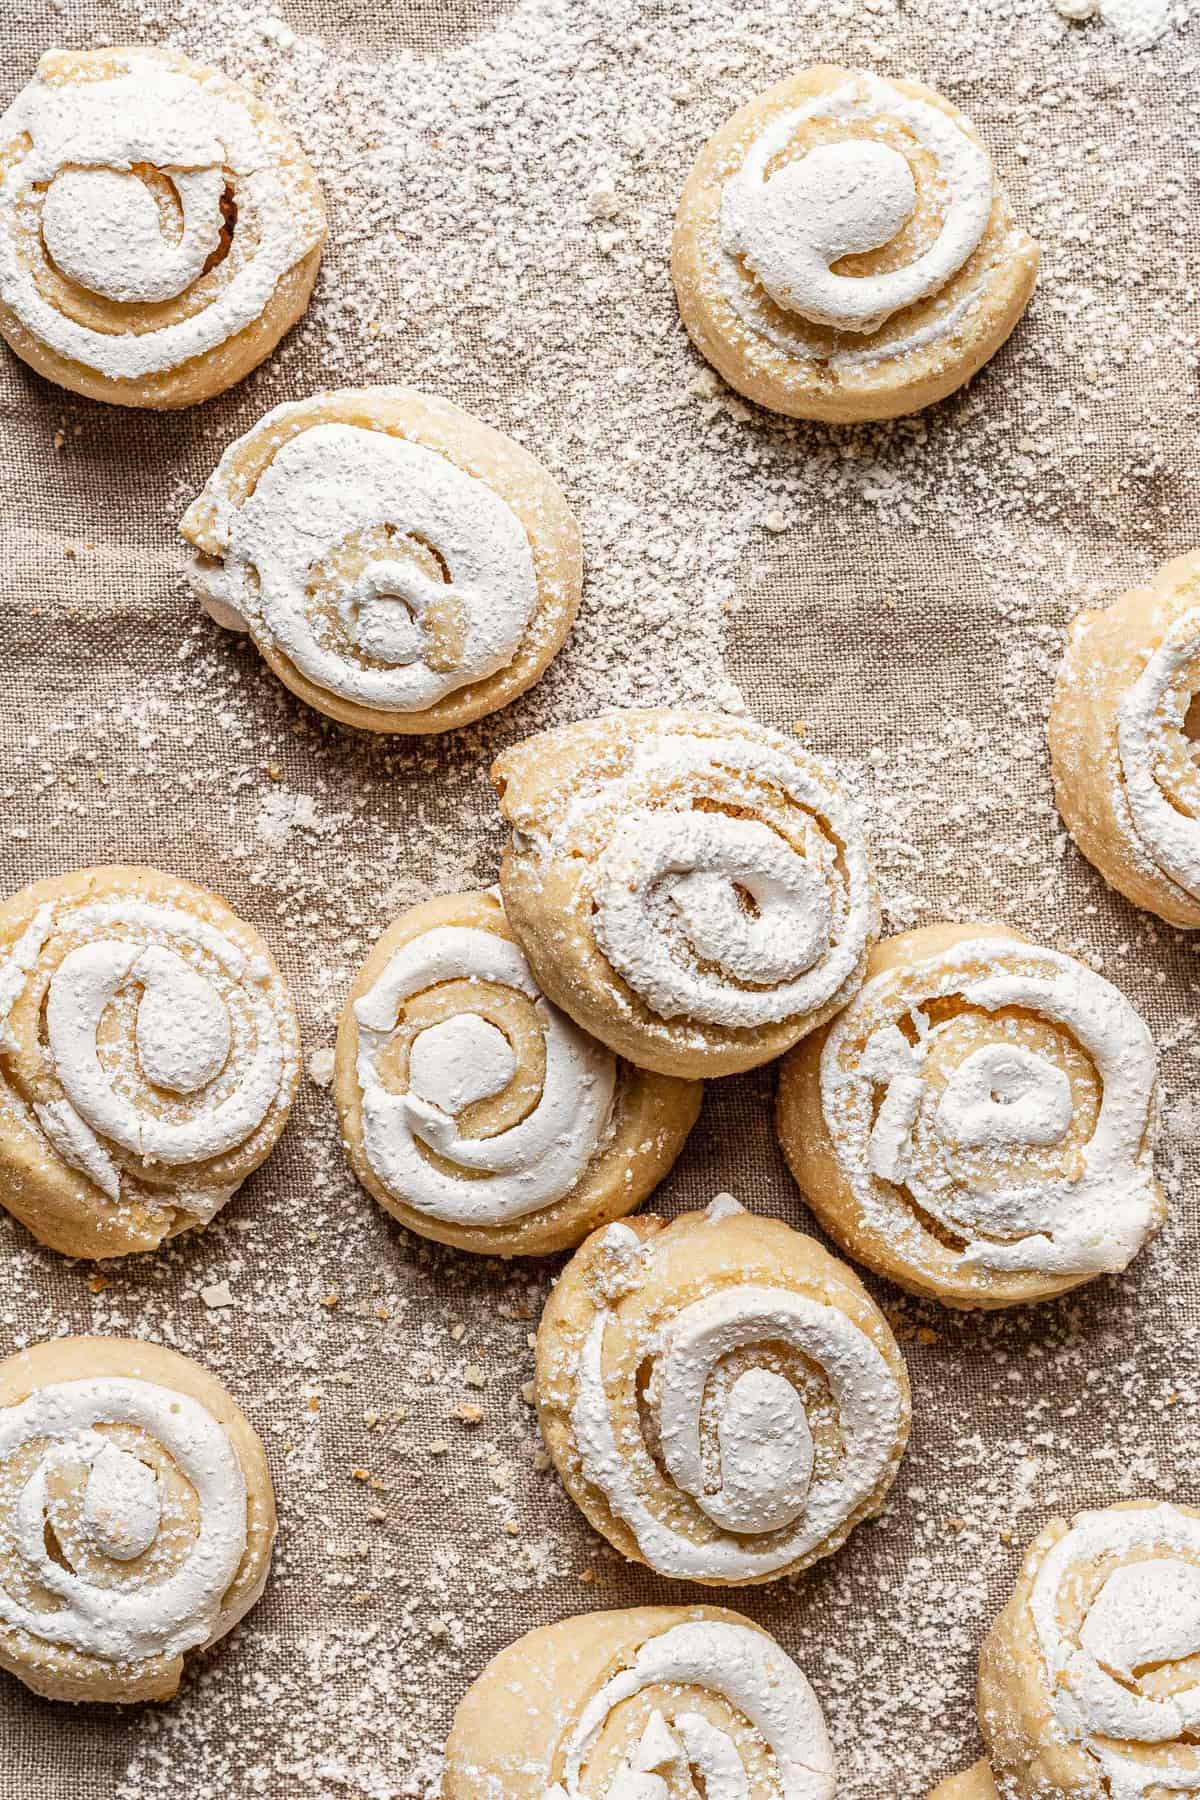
<point x="149" y="1056"/>
<point x="692" y="888"/>
<point x="639" y="1705"/>
<point x="1088" y="1681"/>
<point x="978" y="1124"/>
<point x="160" y="229"/>
<point x="401" y="566"/>
<point x="1122" y="748"/>
<point x="720" y="1396"/>
<point x="843" y="250"/>
<point x="136" y="1517"/>
<point x="975" y="1783"/>
<point x="478" y="1114"/>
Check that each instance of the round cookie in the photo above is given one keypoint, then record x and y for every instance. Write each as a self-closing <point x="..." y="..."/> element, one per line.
<point x="978" y="1124"/>
<point x="722" y="1399"/>
<point x="692" y="888"/>
<point x="160" y="230"/>
<point x="474" y="1111"/>
<point x="1122" y="749"/>
<point x="401" y="566"/>
<point x="1089" y="1681"/>
<point x="149" y="1056"/>
<point x="639" y="1705"/>
<point x="136" y="1517"/>
<point x="842" y="250"/>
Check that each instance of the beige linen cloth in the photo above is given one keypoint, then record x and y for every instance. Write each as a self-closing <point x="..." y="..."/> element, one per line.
<point x="501" y="181"/>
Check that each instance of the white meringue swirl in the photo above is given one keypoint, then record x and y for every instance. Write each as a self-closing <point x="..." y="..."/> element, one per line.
<point x="717" y="917"/>
<point x="899" y="1139"/>
<point x="791" y="222"/>
<point x="761" y="1491"/>
<point x="1150" y="727"/>
<point x="206" y="1039"/>
<point x="386" y="633"/>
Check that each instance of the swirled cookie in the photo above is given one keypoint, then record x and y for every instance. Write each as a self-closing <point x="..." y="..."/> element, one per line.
<point x="1089" y="1681"/>
<point x="692" y="888"/>
<point x="160" y="230"/>
<point x="476" y="1112"/>
<point x="136" y="1517"/>
<point x="400" y="565"/>
<point x="641" y="1705"/>
<point x="842" y="250"/>
<point x="978" y="1125"/>
<point x="721" y="1398"/>
<point x="1121" y="745"/>
<point x="149" y="1056"/>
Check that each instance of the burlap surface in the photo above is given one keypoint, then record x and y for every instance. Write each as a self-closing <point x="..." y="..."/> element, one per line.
<point x="502" y="182"/>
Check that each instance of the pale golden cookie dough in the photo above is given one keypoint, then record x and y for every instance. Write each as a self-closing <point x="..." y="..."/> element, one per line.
<point x="1123" y="744"/>
<point x="400" y="565"/>
<point x="478" y="1114"/>
<point x="653" y="1700"/>
<point x="692" y="888"/>
<point x="843" y="251"/>
<point x="978" y="1124"/>
<point x="150" y="276"/>
<point x="721" y="1397"/>
<point x="137" y="1517"/>
<point x="149" y="1056"/>
<point x="1089" y="1681"/>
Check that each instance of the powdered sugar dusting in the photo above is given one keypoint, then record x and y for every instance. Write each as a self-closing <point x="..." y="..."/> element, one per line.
<point x="502" y="186"/>
<point x="76" y="188"/>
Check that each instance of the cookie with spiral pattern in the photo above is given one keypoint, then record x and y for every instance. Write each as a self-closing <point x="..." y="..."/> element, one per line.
<point x="720" y="1396"/>
<point x="1122" y="745"/>
<point x="400" y="565"/>
<point x="476" y="1112"/>
<point x="843" y="249"/>
<point x="1089" y="1681"/>
<point x="979" y="1123"/>
<point x="641" y="1705"/>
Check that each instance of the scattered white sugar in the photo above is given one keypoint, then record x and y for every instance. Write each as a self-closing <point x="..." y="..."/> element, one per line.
<point x="217" y="1294"/>
<point x="475" y="254"/>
